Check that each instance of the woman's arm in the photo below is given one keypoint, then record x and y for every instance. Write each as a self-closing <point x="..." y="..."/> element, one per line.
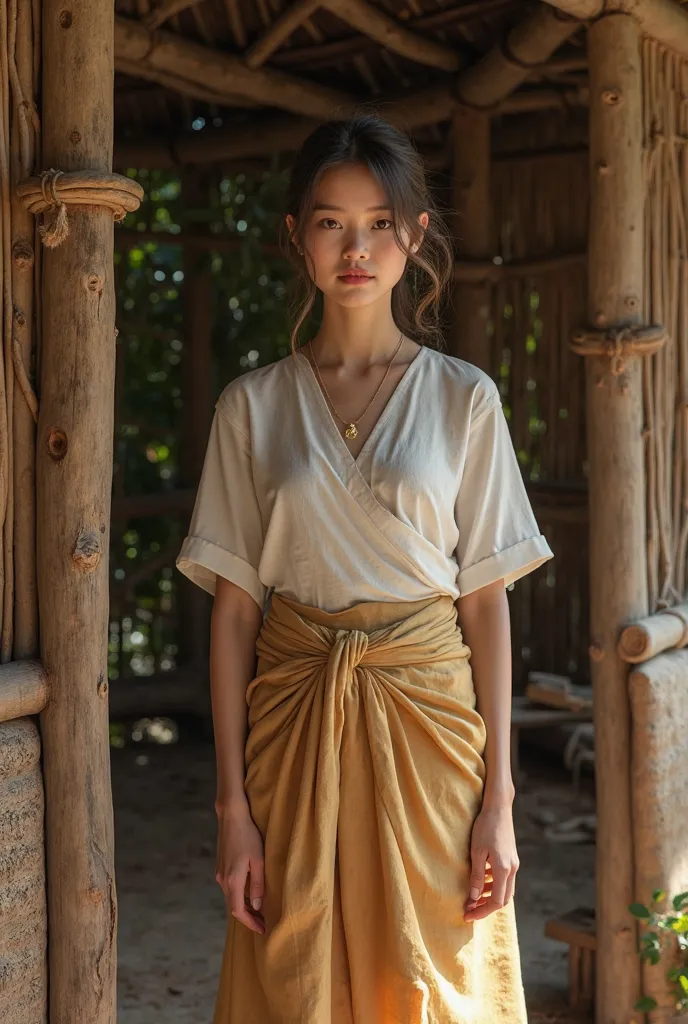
<point x="235" y="623"/>
<point x="483" y="616"/>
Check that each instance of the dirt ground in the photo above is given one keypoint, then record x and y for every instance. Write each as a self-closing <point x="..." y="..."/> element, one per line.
<point x="172" y="912"/>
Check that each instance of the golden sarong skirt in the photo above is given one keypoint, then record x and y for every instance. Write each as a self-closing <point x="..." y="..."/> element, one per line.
<point x="364" y="774"/>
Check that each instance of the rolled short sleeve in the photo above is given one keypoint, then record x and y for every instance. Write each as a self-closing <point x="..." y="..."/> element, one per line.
<point x="498" y="534"/>
<point x="225" y="535"/>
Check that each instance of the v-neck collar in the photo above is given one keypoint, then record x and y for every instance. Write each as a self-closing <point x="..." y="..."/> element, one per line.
<point x="309" y="373"/>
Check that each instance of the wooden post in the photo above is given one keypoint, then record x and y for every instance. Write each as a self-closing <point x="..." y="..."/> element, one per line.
<point x="197" y="297"/>
<point x="618" y="583"/>
<point x="74" y="473"/>
<point x="471" y="204"/>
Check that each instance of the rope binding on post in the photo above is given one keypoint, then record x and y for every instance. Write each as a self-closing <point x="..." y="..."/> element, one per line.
<point x="54" y="190"/>
<point x="618" y="344"/>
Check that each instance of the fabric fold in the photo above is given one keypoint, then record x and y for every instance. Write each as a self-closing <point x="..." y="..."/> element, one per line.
<point x="364" y="774"/>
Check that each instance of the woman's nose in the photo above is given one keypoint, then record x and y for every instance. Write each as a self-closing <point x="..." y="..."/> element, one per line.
<point x="355" y="248"/>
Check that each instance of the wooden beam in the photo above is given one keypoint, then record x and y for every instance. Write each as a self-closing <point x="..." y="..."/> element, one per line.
<point x="529" y="43"/>
<point x="283" y="26"/>
<point x="373" y="22"/>
<point x="190" y="64"/>
<point x="663" y="20"/>
<point x="23" y="689"/>
<point x="618" y="570"/>
<point x="267" y="137"/>
<point x="654" y="634"/>
<point x="196" y="90"/>
<point x="73" y="487"/>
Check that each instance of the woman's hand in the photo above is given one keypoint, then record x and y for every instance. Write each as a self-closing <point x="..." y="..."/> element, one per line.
<point x="239" y="865"/>
<point x="494" y="862"/>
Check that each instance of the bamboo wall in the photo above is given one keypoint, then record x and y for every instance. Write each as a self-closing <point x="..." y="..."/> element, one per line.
<point x="659" y="687"/>
<point x="540" y="211"/>
<point x="23" y="909"/>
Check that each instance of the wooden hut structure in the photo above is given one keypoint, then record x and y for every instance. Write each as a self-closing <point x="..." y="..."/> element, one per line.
<point x="557" y="131"/>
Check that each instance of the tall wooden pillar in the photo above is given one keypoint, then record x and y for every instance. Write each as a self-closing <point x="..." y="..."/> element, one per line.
<point x="471" y="222"/>
<point x="618" y="579"/>
<point x="73" y="481"/>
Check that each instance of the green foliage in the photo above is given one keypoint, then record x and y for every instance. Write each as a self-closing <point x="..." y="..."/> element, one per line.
<point x="249" y="328"/>
<point x="667" y="933"/>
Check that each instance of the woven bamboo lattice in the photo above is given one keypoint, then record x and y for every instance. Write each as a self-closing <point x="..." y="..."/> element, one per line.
<point x="665" y="374"/>
<point x="540" y="210"/>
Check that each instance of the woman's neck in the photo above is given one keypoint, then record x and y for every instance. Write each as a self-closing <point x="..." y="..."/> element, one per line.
<point x="355" y="336"/>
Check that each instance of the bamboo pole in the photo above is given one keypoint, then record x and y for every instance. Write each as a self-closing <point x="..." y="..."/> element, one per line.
<point x="74" y="473"/>
<point x="393" y="35"/>
<point x="663" y="20"/>
<point x="190" y="62"/>
<point x="22" y="156"/>
<point x="618" y="585"/>
<point x="472" y="236"/>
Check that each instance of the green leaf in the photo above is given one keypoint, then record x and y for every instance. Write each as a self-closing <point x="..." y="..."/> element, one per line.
<point x="680" y="924"/>
<point x="680" y="902"/>
<point x="645" y="1004"/>
<point x="658" y="895"/>
<point x="639" y="910"/>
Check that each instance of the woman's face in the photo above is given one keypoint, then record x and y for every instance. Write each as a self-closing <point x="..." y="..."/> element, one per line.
<point x="349" y="230"/>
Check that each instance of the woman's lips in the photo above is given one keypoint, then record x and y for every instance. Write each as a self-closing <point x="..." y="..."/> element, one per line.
<point x="355" y="278"/>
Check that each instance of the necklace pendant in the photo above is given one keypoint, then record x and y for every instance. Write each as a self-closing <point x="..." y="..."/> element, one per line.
<point x="351" y="431"/>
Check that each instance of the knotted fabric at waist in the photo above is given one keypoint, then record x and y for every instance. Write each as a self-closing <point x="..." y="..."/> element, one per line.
<point x="373" y="633"/>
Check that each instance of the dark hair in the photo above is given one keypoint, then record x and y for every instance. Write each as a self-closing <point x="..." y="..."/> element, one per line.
<point x="391" y="157"/>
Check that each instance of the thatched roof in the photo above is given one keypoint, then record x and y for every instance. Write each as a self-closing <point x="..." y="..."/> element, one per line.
<point x="256" y="75"/>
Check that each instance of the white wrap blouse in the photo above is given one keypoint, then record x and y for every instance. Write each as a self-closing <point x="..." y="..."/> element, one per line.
<point x="433" y="503"/>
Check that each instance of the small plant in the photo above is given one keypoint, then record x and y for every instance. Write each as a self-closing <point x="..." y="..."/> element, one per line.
<point x="663" y="930"/>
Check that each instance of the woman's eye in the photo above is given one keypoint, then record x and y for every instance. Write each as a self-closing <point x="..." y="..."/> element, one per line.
<point x="385" y="222"/>
<point x="329" y="222"/>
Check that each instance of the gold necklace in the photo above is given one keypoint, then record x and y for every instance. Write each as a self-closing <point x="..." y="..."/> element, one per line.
<point x="351" y="429"/>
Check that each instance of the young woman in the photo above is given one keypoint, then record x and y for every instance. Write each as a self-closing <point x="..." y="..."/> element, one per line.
<point x="360" y="512"/>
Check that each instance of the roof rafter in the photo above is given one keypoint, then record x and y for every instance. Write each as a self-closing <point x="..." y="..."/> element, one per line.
<point x="279" y="31"/>
<point x="160" y="54"/>
<point x="508" y="64"/>
<point x="373" y="22"/>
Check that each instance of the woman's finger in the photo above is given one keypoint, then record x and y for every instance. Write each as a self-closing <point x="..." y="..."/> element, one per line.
<point x="477" y="882"/>
<point x="510" y="887"/>
<point x="256" y="884"/>
<point x="237" y="904"/>
<point x="500" y="874"/>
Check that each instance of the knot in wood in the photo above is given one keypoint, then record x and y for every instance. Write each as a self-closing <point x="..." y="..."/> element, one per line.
<point x="22" y="254"/>
<point x="86" y="554"/>
<point x="57" y="444"/>
<point x="53" y="190"/>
